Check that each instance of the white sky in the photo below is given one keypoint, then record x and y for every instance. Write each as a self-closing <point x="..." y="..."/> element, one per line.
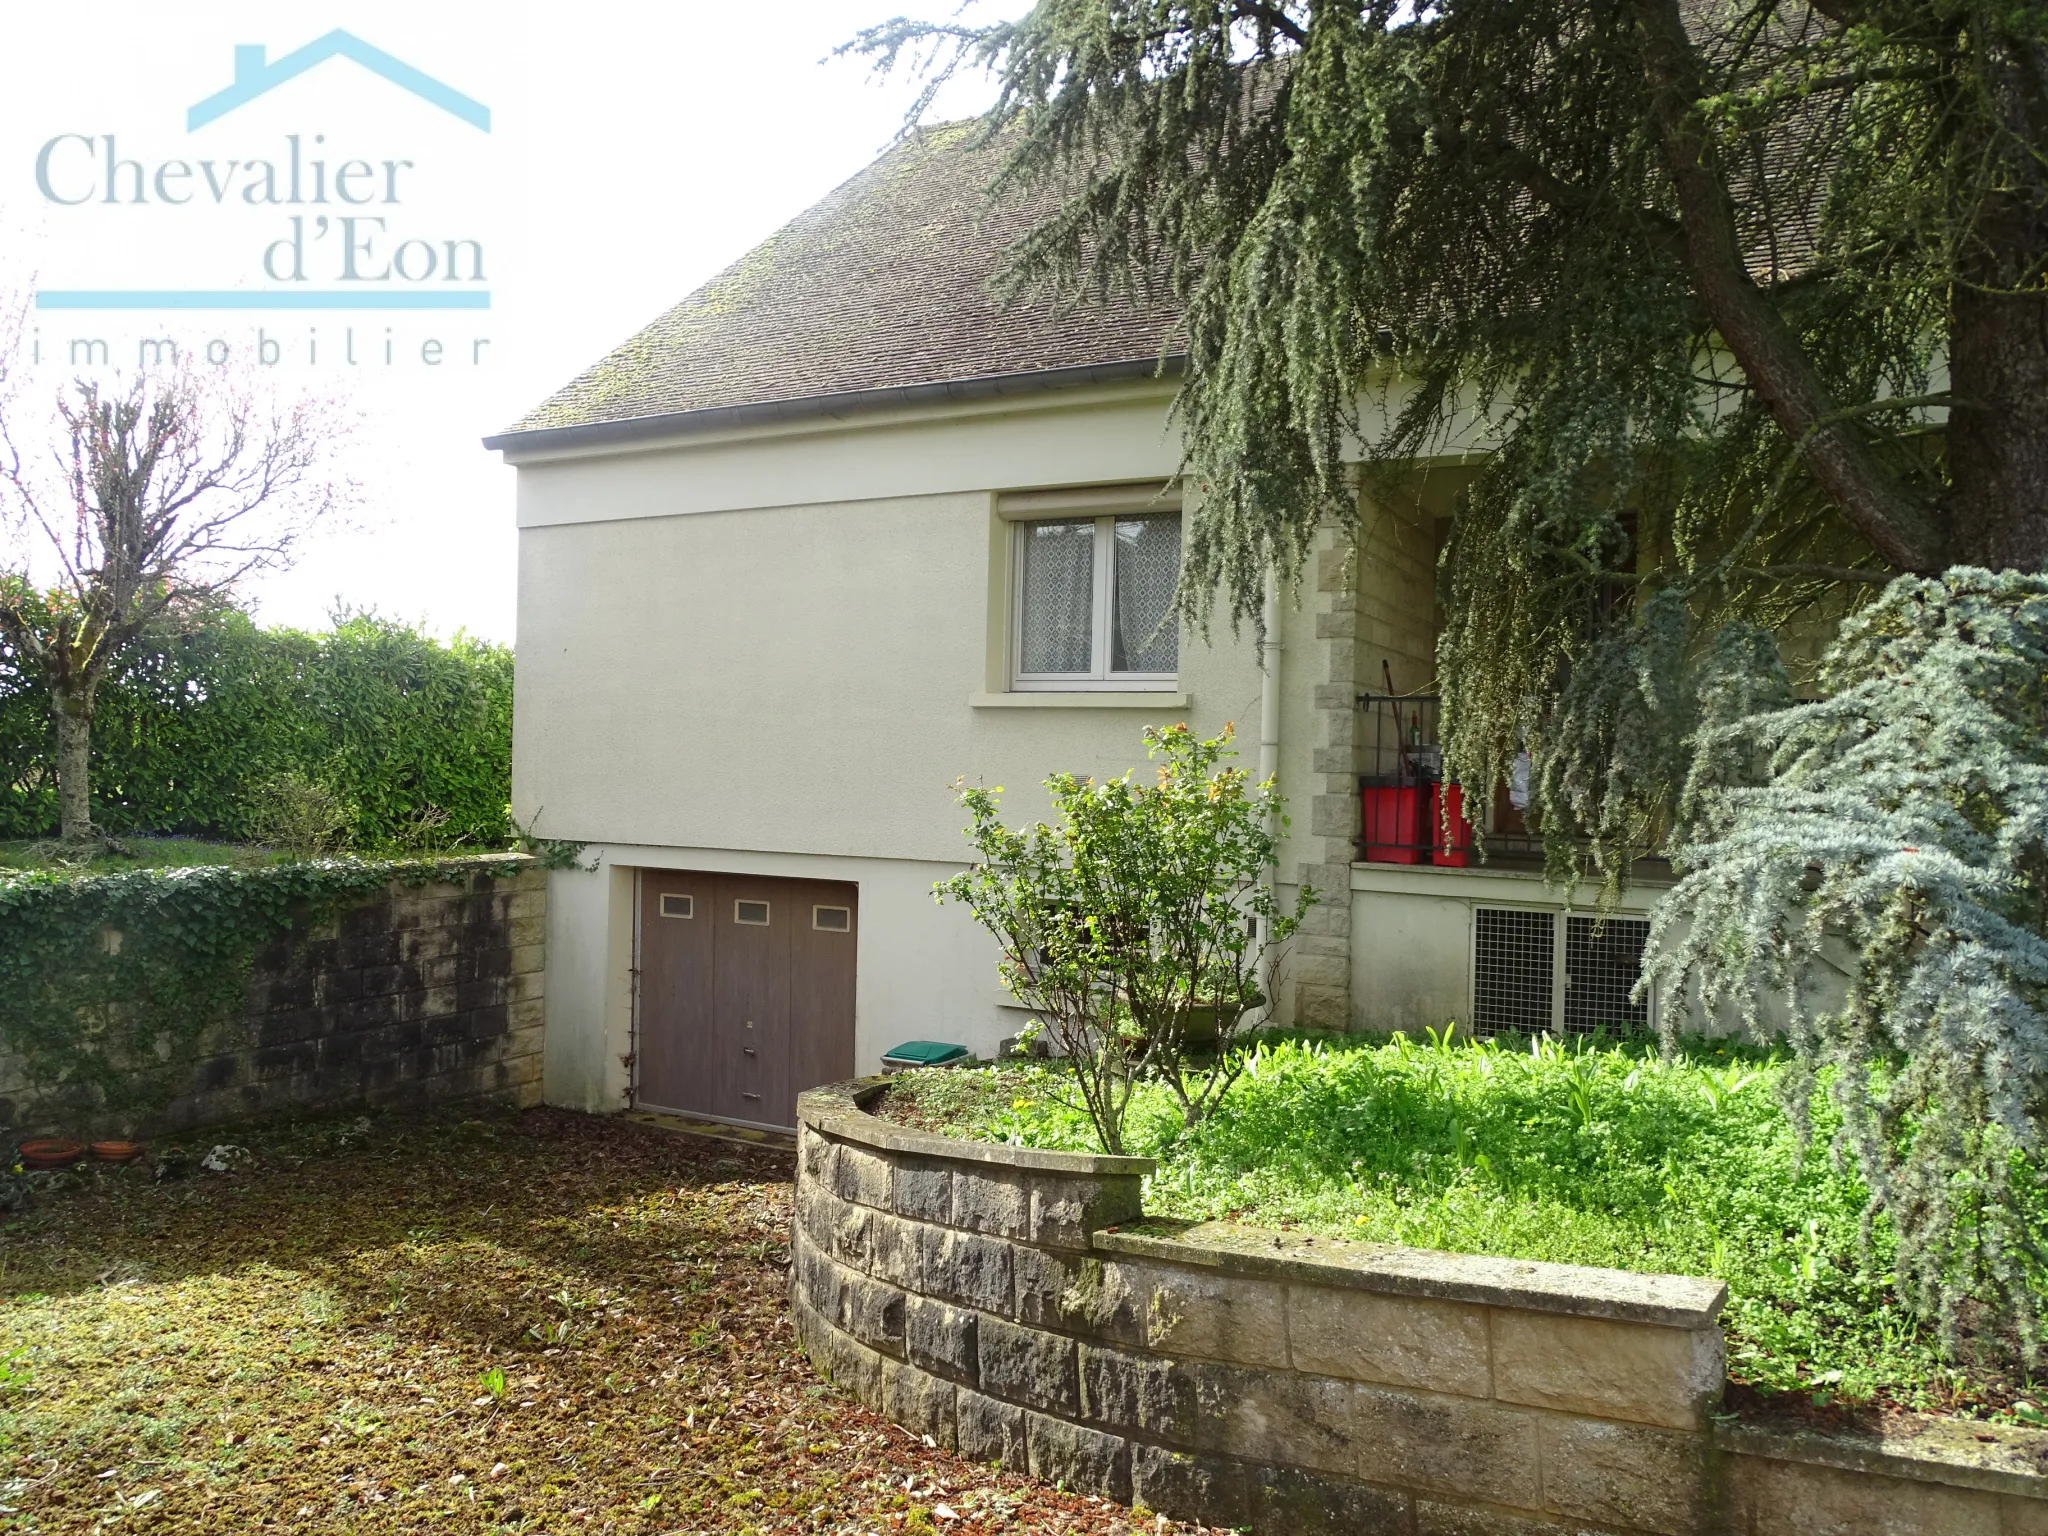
<point x="633" y="151"/>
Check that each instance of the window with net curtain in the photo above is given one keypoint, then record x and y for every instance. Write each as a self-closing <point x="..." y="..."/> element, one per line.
<point x="1095" y="602"/>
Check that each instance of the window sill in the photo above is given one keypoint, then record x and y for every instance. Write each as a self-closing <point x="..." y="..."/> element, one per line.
<point x="1101" y="698"/>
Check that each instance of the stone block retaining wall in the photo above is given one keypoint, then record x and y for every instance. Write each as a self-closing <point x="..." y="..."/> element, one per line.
<point x="1016" y="1306"/>
<point x="416" y="995"/>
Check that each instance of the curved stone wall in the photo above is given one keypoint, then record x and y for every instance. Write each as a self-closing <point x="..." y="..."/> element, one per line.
<point x="1016" y="1306"/>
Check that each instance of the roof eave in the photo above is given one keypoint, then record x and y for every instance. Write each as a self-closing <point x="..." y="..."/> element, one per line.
<point x="635" y="429"/>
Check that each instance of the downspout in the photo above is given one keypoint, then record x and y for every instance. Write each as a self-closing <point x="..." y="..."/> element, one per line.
<point x="1269" y="755"/>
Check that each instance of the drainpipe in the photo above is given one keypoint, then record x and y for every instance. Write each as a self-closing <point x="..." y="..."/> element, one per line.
<point x="1269" y="747"/>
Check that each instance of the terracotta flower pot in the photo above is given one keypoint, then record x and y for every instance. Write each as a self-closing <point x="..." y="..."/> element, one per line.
<point x="51" y="1153"/>
<point x="117" y="1151"/>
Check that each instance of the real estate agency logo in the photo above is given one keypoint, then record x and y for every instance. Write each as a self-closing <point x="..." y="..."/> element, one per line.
<point x="263" y="216"/>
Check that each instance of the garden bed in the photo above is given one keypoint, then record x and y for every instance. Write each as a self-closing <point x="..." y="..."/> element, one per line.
<point x="1599" y="1156"/>
<point x="458" y="1322"/>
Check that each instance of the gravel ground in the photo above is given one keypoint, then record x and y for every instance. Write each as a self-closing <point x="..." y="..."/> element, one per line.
<point x="545" y="1322"/>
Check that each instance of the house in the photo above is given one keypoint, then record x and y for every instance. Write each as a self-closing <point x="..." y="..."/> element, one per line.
<point x="839" y="530"/>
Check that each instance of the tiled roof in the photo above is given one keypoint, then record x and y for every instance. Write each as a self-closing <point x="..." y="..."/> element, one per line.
<point x="883" y="284"/>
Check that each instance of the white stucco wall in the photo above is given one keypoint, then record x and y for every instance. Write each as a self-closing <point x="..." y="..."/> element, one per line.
<point x="1411" y="936"/>
<point x="795" y="677"/>
<point x="1411" y="947"/>
<point x="758" y="656"/>
<point x="1067" y="437"/>
<point x="590" y="985"/>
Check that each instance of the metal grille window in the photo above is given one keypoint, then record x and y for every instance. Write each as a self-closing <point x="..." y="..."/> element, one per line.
<point x="1537" y="971"/>
<point x="1094" y="603"/>
<point x="1601" y="964"/>
<point x="1514" y="965"/>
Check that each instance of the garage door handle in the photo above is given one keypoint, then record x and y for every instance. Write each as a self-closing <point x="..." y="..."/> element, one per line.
<point x="749" y="1050"/>
<point x="750" y="1095"/>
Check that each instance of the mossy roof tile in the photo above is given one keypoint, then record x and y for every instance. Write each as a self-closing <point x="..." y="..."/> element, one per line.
<point x="884" y="283"/>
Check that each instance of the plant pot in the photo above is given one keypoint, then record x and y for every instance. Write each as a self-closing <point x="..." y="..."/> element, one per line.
<point x="117" y="1151"/>
<point x="51" y="1153"/>
<point x="1203" y="1025"/>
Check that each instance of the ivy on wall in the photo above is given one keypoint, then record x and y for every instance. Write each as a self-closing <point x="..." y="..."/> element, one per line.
<point x="390" y="720"/>
<point x="109" y="983"/>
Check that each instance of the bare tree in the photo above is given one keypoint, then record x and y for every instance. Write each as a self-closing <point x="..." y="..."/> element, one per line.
<point x="157" y="495"/>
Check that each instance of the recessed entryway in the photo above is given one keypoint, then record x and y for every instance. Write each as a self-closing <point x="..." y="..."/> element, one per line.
<point x="746" y="992"/>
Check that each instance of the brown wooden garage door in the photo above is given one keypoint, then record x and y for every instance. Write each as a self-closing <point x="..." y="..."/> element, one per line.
<point x="746" y="992"/>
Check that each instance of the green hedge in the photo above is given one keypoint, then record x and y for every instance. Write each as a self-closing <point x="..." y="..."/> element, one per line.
<point x="387" y="718"/>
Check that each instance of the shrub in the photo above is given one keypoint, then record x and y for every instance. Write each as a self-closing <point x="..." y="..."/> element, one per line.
<point x="1139" y="925"/>
<point x="396" y="724"/>
<point x="292" y="812"/>
<point x="1900" y="833"/>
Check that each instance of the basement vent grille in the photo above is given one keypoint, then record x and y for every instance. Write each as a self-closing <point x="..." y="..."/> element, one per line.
<point x="1513" y="969"/>
<point x="1601" y="964"/>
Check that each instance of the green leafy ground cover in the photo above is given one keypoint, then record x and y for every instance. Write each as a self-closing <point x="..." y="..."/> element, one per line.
<point x="1604" y="1156"/>
<point x="465" y="1322"/>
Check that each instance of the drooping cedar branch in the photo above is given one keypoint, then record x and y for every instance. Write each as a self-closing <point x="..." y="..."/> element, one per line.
<point x="1692" y="272"/>
<point x="1677" y="253"/>
<point x="1774" y="364"/>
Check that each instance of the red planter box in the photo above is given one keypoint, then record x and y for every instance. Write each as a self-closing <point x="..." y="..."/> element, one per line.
<point x="1392" y="818"/>
<point x="1456" y="848"/>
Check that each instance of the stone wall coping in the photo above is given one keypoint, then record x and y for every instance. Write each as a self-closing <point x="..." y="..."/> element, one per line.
<point x="838" y="1109"/>
<point x="507" y="862"/>
<point x="1670" y="1301"/>
<point x="1965" y="1453"/>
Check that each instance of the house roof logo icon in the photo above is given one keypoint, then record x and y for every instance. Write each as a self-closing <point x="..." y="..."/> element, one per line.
<point x="256" y="74"/>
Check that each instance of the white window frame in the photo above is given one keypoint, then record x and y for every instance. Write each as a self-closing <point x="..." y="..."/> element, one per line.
<point x="1101" y="647"/>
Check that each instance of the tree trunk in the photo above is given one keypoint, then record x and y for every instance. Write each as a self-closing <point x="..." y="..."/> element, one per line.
<point x="74" y="764"/>
<point x="1998" y="430"/>
<point x="1898" y="525"/>
<point x="1997" y="502"/>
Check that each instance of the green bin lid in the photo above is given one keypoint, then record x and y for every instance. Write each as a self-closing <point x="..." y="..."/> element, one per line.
<point x="925" y="1053"/>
